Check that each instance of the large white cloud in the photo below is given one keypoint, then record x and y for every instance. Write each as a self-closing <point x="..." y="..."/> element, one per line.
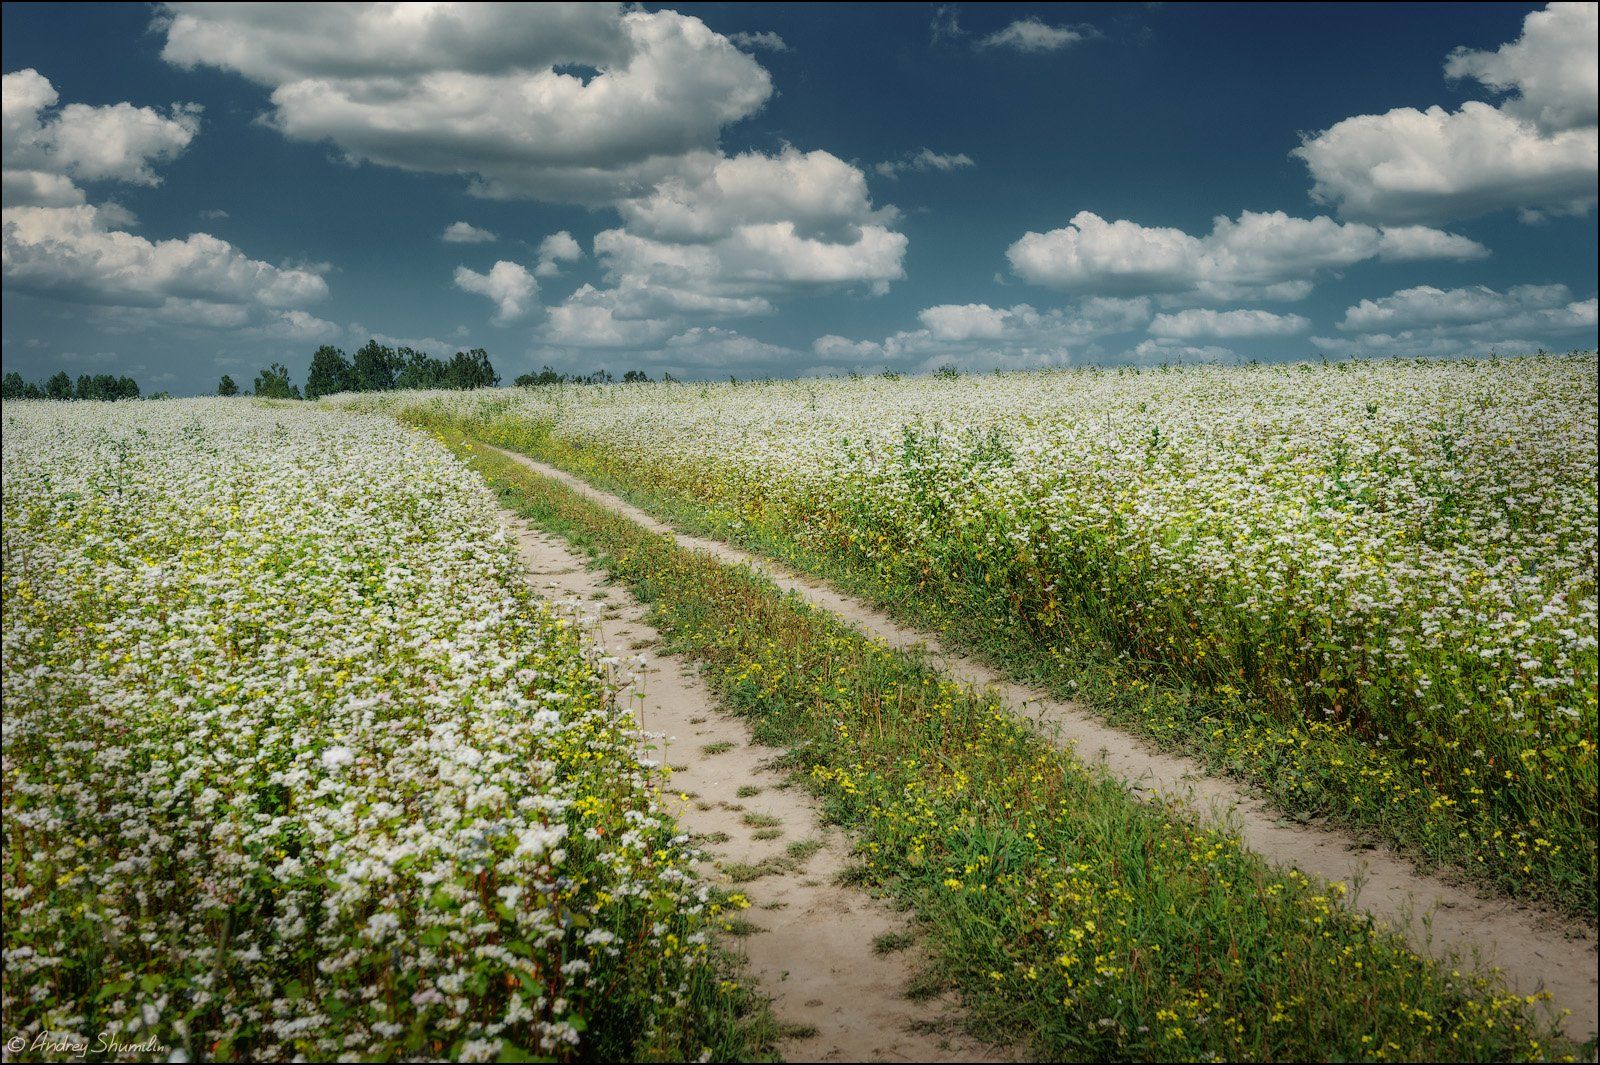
<point x="1551" y="69"/>
<point x="1537" y="150"/>
<point x="1265" y="255"/>
<point x="753" y="228"/>
<point x="1430" y="321"/>
<point x="45" y="150"/>
<point x="70" y="253"/>
<point x="1192" y="323"/>
<point x="565" y="102"/>
<point x="511" y="287"/>
<point x="1425" y="305"/>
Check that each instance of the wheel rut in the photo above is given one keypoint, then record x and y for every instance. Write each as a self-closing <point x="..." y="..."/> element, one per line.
<point x="808" y="937"/>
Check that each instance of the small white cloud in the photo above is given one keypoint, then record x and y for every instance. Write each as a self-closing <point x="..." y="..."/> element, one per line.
<point x="213" y="214"/>
<point x="511" y="287"/>
<point x="926" y="159"/>
<point x="553" y="251"/>
<point x="1033" y="35"/>
<point x="466" y="233"/>
<point x="763" y="39"/>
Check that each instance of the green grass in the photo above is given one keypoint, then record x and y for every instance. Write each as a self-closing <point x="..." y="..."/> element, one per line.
<point x="1059" y="906"/>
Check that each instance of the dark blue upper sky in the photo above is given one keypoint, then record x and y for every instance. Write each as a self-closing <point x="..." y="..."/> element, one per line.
<point x="808" y="189"/>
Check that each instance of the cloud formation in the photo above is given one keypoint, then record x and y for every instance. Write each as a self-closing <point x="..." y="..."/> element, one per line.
<point x="1192" y="323"/>
<point x="1263" y="255"/>
<point x="509" y="285"/>
<point x="1536" y="150"/>
<point x="47" y="149"/>
<point x="926" y="159"/>
<point x="580" y="103"/>
<point x="1425" y="320"/>
<point x="1033" y="35"/>
<point x="466" y="233"/>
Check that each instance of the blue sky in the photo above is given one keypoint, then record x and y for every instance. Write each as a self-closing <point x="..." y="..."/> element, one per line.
<point x="714" y="189"/>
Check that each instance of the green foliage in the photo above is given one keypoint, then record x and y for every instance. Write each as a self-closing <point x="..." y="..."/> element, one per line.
<point x="273" y="383"/>
<point x="102" y="386"/>
<point x="106" y="386"/>
<point x="376" y="367"/>
<point x="330" y="372"/>
<point x="226" y="387"/>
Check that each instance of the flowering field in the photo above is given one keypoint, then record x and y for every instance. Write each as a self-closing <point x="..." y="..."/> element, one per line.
<point x="295" y="767"/>
<point x="1369" y="587"/>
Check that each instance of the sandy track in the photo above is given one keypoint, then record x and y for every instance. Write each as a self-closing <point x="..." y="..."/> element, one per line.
<point x="812" y="947"/>
<point x="1534" y="949"/>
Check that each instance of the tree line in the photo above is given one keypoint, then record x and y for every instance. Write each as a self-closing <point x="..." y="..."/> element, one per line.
<point x="375" y="368"/>
<point x="59" y="385"/>
<point x="547" y="376"/>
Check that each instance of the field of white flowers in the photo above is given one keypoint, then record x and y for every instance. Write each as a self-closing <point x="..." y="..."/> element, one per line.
<point x="294" y="767"/>
<point x="1369" y="586"/>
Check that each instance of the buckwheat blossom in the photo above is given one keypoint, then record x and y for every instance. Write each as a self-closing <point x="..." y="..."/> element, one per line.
<point x="294" y="765"/>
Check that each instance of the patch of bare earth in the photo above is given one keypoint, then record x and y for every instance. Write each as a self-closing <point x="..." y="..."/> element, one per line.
<point x="1534" y="948"/>
<point x="808" y="936"/>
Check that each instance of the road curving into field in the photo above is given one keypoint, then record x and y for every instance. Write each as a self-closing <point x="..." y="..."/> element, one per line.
<point x="809" y="938"/>
<point x="1533" y="948"/>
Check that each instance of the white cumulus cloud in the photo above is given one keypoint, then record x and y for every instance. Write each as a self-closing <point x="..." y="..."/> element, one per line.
<point x="1195" y="322"/>
<point x="1265" y="255"/>
<point x="511" y="287"/>
<point x="1535" y="151"/>
<point x="466" y="233"/>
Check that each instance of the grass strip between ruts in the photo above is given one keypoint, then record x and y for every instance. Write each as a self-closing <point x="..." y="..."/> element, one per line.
<point x="1066" y="911"/>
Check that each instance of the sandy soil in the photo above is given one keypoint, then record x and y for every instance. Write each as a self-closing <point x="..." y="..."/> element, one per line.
<point x="811" y="945"/>
<point x="1533" y="948"/>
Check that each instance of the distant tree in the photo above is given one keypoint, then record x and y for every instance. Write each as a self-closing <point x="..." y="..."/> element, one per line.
<point x="128" y="388"/>
<point x="545" y="376"/>
<point x="160" y="395"/>
<point x="599" y="377"/>
<point x="273" y="383"/>
<point x="59" y="386"/>
<point x="376" y="367"/>
<point x="636" y="377"/>
<point x="419" y="370"/>
<point x="226" y="387"/>
<point x="14" y="387"/>
<point x="947" y="372"/>
<point x="330" y="372"/>
<point x="471" y="369"/>
<point x="85" y="388"/>
<point x="668" y="379"/>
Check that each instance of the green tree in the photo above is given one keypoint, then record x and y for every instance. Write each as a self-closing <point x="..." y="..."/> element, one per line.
<point x="636" y="377"/>
<point x="545" y="376"/>
<point x="330" y="372"/>
<point x="226" y="387"/>
<point x="471" y="369"/>
<point x="273" y="383"/>
<point x="59" y="386"/>
<point x="377" y="367"/>
<point x="85" y="388"/>
<point x="419" y="370"/>
<point x="14" y="387"/>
